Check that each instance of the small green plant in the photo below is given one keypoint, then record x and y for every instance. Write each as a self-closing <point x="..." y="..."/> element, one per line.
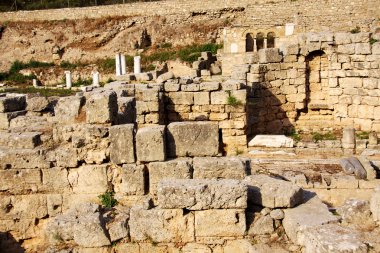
<point x="58" y="237"/>
<point x="232" y="100"/>
<point x="294" y="135"/>
<point x="320" y="137"/>
<point x="355" y="30"/>
<point x="362" y="135"/>
<point x="166" y="45"/>
<point x="68" y="65"/>
<point x="108" y="200"/>
<point x="82" y="82"/>
<point x="372" y="41"/>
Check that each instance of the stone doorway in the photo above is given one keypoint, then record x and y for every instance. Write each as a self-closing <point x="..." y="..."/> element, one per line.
<point x="318" y="112"/>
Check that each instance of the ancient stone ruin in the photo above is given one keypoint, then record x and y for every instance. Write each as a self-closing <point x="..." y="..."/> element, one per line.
<point x="268" y="146"/>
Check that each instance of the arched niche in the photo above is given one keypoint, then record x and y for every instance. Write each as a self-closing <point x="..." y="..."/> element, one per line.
<point x="260" y="41"/>
<point x="249" y="42"/>
<point x="271" y="40"/>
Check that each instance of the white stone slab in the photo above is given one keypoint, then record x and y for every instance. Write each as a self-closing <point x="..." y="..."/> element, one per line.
<point x="271" y="141"/>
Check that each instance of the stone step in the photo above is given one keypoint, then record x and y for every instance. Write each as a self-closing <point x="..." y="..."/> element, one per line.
<point x="20" y="140"/>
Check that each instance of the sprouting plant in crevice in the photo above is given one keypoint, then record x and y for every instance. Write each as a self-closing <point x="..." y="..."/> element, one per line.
<point x="232" y="100"/>
<point x="107" y="199"/>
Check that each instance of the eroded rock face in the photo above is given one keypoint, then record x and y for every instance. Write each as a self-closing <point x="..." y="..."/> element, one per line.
<point x="150" y="144"/>
<point x="122" y="144"/>
<point x="192" y="139"/>
<point x="198" y="194"/>
<point x="102" y="107"/>
<point x="220" y="167"/>
<point x="12" y="103"/>
<point x="270" y="192"/>
<point x="159" y="225"/>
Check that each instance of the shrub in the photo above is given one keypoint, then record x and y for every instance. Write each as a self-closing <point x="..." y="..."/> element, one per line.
<point x="372" y="41"/>
<point x="232" y="100"/>
<point x="294" y="135"/>
<point x="320" y="137"/>
<point x="82" y="82"/>
<point x="107" y="65"/>
<point x="108" y="200"/>
<point x="362" y="135"/>
<point x="68" y="65"/>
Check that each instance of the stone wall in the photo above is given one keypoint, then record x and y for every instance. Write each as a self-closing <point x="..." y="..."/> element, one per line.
<point x="312" y="82"/>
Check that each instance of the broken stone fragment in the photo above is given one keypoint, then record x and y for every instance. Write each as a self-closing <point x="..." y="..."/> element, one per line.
<point x="270" y="192"/>
<point x="12" y="103"/>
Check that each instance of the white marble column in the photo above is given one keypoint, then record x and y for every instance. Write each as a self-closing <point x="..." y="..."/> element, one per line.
<point x="118" y="64"/>
<point x="137" y="64"/>
<point x="265" y="42"/>
<point x="123" y="69"/>
<point x="95" y="78"/>
<point x="254" y="45"/>
<point x="35" y="84"/>
<point x="68" y="79"/>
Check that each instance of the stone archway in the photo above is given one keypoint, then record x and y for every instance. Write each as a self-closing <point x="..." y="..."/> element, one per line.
<point x="317" y="112"/>
<point x="249" y="42"/>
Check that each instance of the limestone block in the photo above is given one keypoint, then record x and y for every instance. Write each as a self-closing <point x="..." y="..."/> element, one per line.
<point x="118" y="226"/>
<point x="196" y="248"/>
<point x="201" y="98"/>
<point x="209" y="86"/>
<point x="89" y="232"/>
<point x="12" y="103"/>
<point x="147" y="94"/>
<point x="261" y="226"/>
<point x="362" y="48"/>
<point x="269" y="55"/>
<point x="20" y="140"/>
<point x="359" y="37"/>
<point x="220" y="223"/>
<point x="161" y="225"/>
<point x="219" y="98"/>
<point x="122" y="89"/>
<point x="68" y="109"/>
<point x="376" y="48"/>
<point x="126" y="110"/>
<point x="130" y="179"/>
<point x="143" y="76"/>
<point x="102" y="107"/>
<point x="37" y="104"/>
<point x="65" y="157"/>
<point x="346" y="49"/>
<point x="348" y="138"/>
<point x="308" y="215"/>
<point x="190" y="87"/>
<point x="23" y="159"/>
<point x="351" y="82"/>
<point x="6" y="117"/>
<point x="275" y="141"/>
<point x="202" y="194"/>
<point x="192" y="139"/>
<point x="55" y="180"/>
<point x="370" y="170"/>
<point x="232" y="84"/>
<point x="89" y="179"/>
<point x="342" y="38"/>
<point x="150" y="144"/>
<point x="164" y="77"/>
<point x="174" y="169"/>
<point x="23" y="207"/>
<point x="181" y="98"/>
<point x="270" y="192"/>
<point x="220" y="167"/>
<point x="172" y="86"/>
<point x="20" y="181"/>
<point x="333" y="237"/>
<point x="375" y="204"/>
<point x="122" y="144"/>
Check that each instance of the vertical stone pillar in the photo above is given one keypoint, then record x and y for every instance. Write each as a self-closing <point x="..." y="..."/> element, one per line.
<point x="35" y="84"/>
<point x="118" y="64"/>
<point x="95" y="79"/>
<point x="265" y="42"/>
<point x="348" y="140"/>
<point x="68" y="79"/>
<point x="123" y="65"/>
<point x="254" y="45"/>
<point x="137" y="64"/>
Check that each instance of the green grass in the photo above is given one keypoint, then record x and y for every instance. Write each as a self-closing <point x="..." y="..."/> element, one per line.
<point x="294" y="135"/>
<point x="372" y="41"/>
<point x="43" y="92"/>
<point x="362" y="135"/>
<point x="82" y="82"/>
<point x="321" y="137"/>
<point x="232" y="100"/>
<point x="18" y="65"/>
<point x="108" y="200"/>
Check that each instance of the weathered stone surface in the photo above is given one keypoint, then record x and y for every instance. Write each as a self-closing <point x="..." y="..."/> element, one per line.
<point x="68" y="109"/>
<point x="82" y="223"/>
<point x="332" y="238"/>
<point x="271" y="192"/>
<point x="263" y="225"/>
<point x="22" y="159"/>
<point x="6" y="117"/>
<point x="164" y="77"/>
<point x="277" y="214"/>
<point x="150" y="144"/>
<point x="122" y="144"/>
<point x="101" y="107"/>
<point x="126" y="111"/>
<point x="122" y="89"/>
<point x="375" y="204"/>
<point x="37" y="104"/>
<point x="192" y="139"/>
<point x="220" y="223"/>
<point x="12" y="103"/>
<point x="64" y="157"/>
<point x="202" y="194"/>
<point x="20" y="181"/>
<point x="117" y="224"/>
<point x="130" y="179"/>
<point x="196" y="248"/>
<point x="174" y="169"/>
<point x="20" y="140"/>
<point x="308" y="215"/>
<point x="352" y="165"/>
<point x="89" y="179"/>
<point x="274" y="141"/>
<point x="23" y="207"/>
<point x="269" y="55"/>
<point x="220" y="167"/>
<point x="160" y="225"/>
